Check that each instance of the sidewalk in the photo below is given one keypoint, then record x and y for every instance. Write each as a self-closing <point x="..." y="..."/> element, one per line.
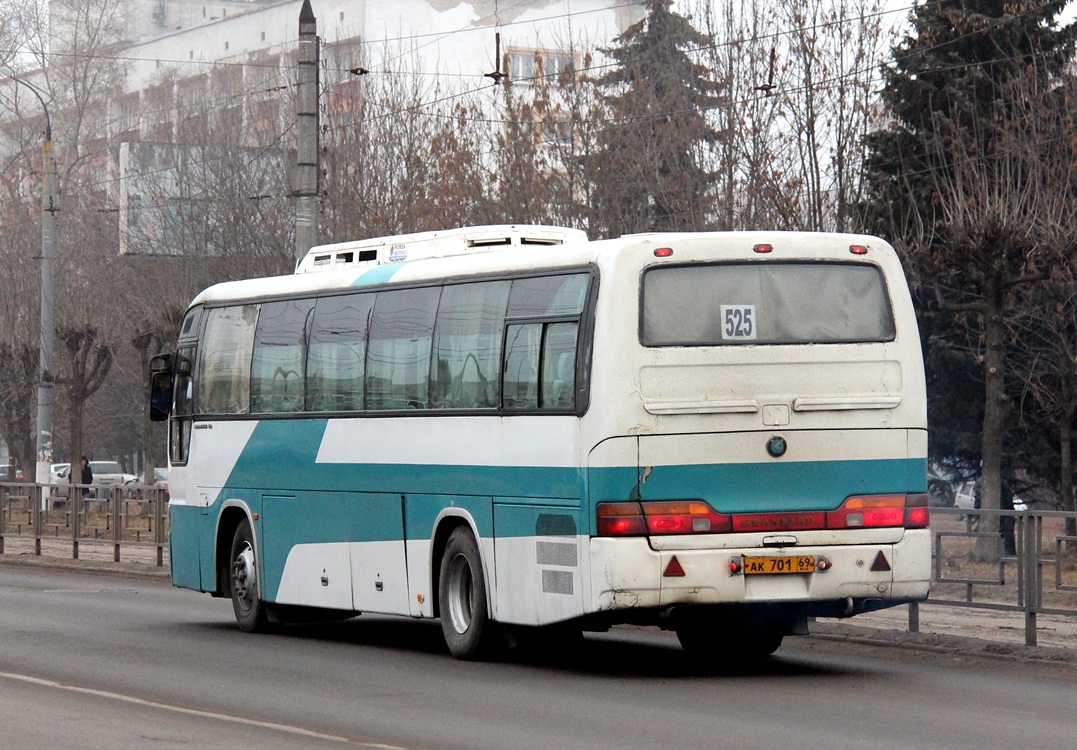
<point x="960" y="630"/>
<point x="94" y="557"/>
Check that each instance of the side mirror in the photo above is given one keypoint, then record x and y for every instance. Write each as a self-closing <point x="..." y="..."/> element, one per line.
<point x="160" y="396"/>
<point x="162" y="362"/>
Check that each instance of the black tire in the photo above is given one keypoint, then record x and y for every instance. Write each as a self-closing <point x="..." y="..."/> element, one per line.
<point x="465" y="622"/>
<point x="721" y="645"/>
<point x="246" y="588"/>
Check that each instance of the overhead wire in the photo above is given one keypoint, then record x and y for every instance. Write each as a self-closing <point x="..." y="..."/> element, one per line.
<point x="421" y="106"/>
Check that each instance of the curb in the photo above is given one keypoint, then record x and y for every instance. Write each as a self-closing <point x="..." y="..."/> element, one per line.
<point x="97" y="567"/>
<point x="937" y="643"/>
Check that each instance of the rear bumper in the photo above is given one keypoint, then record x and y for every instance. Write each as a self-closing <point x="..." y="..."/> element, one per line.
<point x="628" y="574"/>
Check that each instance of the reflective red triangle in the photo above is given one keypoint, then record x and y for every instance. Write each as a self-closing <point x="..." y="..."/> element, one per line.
<point x="881" y="563"/>
<point x="674" y="569"/>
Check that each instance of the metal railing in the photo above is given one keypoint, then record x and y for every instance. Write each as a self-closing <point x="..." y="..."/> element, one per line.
<point x="128" y="517"/>
<point x="1034" y="572"/>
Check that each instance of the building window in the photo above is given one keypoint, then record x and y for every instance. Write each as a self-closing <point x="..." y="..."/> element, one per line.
<point x="557" y="130"/>
<point x="525" y="66"/>
<point x="522" y="67"/>
<point x="555" y="65"/>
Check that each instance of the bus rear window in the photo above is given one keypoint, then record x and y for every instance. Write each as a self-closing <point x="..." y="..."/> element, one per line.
<point x="764" y="303"/>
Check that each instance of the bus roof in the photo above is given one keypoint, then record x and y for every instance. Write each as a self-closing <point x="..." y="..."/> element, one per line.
<point x="437" y="244"/>
<point x="687" y="247"/>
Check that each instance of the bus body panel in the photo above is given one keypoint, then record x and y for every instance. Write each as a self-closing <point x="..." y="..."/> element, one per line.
<point x="629" y="573"/>
<point x="662" y="422"/>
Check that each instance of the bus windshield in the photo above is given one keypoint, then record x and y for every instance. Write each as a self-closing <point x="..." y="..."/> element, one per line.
<point x="765" y="303"/>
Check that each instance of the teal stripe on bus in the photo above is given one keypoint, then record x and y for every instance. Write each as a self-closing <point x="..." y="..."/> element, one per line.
<point x="807" y="485"/>
<point x="281" y="457"/>
<point x="378" y="274"/>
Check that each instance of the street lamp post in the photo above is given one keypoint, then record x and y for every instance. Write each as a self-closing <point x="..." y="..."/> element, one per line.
<point x="49" y="207"/>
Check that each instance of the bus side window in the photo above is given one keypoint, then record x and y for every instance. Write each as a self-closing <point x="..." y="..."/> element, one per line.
<point x="278" y="361"/>
<point x="522" y="346"/>
<point x="224" y="369"/>
<point x="559" y="366"/>
<point x="337" y="355"/>
<point x="467" y="345"/>
<point x="179" y="438"/>
<point x="398" y="352"/>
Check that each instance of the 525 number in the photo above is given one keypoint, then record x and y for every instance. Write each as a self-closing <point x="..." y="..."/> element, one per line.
<point x="738" y="322"/>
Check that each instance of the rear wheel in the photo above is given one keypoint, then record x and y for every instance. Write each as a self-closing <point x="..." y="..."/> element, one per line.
<point x="720" y="643"/>
<point x="465" y="622"/>
<point x="247" y="604"/>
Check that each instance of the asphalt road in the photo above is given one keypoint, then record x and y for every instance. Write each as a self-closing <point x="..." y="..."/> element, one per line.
<point x="105" y="662"/>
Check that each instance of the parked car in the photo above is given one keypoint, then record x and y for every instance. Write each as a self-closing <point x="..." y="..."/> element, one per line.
<point x="160" y="481"/>
<point x="5" y="473"/>
<point x="110" y="473"/>
<point x="58" y="473"/>
<point x="966" y="494"/>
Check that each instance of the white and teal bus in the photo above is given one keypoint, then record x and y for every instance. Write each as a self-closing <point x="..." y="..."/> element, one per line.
<point x="721" y="434"/>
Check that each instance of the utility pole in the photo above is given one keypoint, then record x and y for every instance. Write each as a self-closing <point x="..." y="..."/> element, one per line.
<point x="306" y="192"/>
<point x="50" y="205"/>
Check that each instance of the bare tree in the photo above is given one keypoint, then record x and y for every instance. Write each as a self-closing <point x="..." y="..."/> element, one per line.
<point x="833" y="50"/>
<point x="991" y="233"/>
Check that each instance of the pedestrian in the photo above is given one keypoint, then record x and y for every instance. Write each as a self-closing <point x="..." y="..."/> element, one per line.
<point x="87" y="477"/>
<point x="1006" y="522"/>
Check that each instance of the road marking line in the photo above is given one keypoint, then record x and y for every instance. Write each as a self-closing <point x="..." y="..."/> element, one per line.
<point x="197" y="712"/>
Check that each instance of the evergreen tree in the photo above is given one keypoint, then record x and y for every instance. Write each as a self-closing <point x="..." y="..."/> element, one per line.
<point x="649" y="170"/>
<point x="963" y="179"/>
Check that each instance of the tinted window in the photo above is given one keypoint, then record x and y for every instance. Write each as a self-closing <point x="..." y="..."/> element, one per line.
<point x="190" y="322"/>
<point x="336" y="360"/>
<point x="548" y="295"/>
<point x="278" y="363"/>
<point x="224" y="369"/>
<point x="398" y="355"/>
<point x="765" y="303"/>
<point x="523" y="346"/>
<point x="467" y="345"/>
<point x="559" y="366"/>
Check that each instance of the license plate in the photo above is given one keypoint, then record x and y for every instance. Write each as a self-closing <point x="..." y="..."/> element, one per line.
<point x="773" y="565"/>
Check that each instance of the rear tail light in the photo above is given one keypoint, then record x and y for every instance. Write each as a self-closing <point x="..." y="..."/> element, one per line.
<point x="657" y="518"/>
<point x="684" y="517"/>
<point x="880" y="511"/>
<point x="620" y="519"/>
<point x="916" y="513"/>
<point x="660" y="518"/>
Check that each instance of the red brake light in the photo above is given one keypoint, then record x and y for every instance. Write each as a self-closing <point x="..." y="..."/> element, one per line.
<point x="869" y="512"/>
<point x="666" y="517"/>
<point x="683" y="517"/>
<point x="917" y="518"/>
<point x="620" y="519"/>
<point x="659" y="518"/>
<point x="763" y="248"/>
<point x="858" y="249"/>
<point x="663" y="252"/>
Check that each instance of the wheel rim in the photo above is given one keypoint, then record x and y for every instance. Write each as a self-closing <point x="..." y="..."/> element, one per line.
<point x="461" y="591"/>
<point x="244" y="577"/>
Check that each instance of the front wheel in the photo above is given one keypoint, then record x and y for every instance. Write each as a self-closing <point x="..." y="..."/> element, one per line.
<point x="469" y="632"/>
<point x="247" y="604"/>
